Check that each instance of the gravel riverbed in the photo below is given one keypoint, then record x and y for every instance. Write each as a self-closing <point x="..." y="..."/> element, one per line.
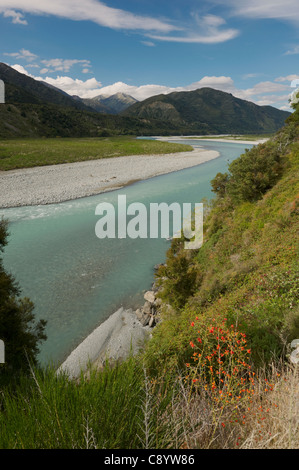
<point x="59" y="183"/>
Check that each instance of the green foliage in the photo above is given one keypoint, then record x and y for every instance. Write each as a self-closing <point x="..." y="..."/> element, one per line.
<point x="115" y="408"/>
<point x="251" y="175"/>
<point x="178" y="276"/>
<point x="219" y="184"/>
<point x="255" y="172"/>
<point x="20" y="334"/>
<point x="246" y="270"/>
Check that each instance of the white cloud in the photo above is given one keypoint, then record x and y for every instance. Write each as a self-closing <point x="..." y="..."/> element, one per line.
<point x="21" y="69"/>
<point x="64" y="65"/>
<point x="148" y="43"/>
<point x="288" y="78"/>
<point x="293" y="51"/>
<point x="85" y="89"/>
<point x="88" y="10"/>
<point x="22" y="54"/>
<point x="208" y="29"/>
<point x="209" y="32"/>
<point x="49" y="65"/>
<point x="17" y="17"/>
<point x="270" y="100"/>
<point x="286" y="10"/>
<point x="267" y="87"/>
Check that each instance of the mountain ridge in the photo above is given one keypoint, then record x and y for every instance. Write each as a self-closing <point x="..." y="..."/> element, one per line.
<point x="111" y="104"/>
<point x="35" y="109"/>
<point x="209" y="111"/>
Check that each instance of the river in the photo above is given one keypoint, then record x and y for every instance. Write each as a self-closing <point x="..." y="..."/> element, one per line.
<point x="76" y="280"/>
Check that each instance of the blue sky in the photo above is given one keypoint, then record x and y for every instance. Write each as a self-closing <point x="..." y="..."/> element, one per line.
<point x="249" y="48"/>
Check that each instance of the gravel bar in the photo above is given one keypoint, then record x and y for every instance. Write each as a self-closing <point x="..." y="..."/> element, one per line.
<point x="64" y="182"/>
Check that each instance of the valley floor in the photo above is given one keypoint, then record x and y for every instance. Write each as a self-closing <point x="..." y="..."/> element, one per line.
<point x="68" y="181"/>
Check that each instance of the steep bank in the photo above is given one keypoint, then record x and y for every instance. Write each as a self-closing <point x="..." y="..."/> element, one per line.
<point x="247" y="270"/>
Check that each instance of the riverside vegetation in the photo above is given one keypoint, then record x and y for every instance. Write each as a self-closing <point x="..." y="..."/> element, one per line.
<point x="27" y="153"/>
<point x="216" y="372"/>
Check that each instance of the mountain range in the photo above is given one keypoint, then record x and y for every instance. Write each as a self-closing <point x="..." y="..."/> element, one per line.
<point x="209" y="111"/>
<point x="34" y="108"/>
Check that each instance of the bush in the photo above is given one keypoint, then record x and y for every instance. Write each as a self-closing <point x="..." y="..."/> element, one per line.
<point x="20" y="334"/>
<point x="251" y="175"/>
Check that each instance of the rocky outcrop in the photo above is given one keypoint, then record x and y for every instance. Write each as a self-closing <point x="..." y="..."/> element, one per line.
<point x="148" y="314"/>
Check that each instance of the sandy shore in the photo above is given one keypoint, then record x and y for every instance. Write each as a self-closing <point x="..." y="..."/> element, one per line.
<point x="59" y="183"/>
<point x="114" y="339"/>
<point x="214" y="139"/>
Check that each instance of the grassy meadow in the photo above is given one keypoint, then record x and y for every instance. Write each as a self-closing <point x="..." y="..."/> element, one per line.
<point x="27" y="153"/>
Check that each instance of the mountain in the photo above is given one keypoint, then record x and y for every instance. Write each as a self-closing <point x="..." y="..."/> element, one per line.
<point x="33" y="109"/>
<point x="209" y="111"/>
<point x="113" y="104"/>
<point x="21" y="88"/>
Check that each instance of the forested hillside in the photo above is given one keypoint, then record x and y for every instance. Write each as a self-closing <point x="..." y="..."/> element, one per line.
<point x="208" y="111"/>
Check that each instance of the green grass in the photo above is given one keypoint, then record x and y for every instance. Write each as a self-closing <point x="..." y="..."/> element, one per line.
<point x="29" y="153"/>
<point x="105" y="410"/>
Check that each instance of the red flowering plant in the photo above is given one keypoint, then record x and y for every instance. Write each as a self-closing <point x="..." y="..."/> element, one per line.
<point x="220" y="361"/>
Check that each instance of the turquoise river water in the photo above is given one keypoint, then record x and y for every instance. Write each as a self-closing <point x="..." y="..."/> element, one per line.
<point x="76" y="280"/>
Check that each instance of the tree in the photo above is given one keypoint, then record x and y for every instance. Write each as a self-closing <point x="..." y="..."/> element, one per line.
<point x="255" y="172"/>
<point x="21" y="335"/>
<point x="219" y="184"/>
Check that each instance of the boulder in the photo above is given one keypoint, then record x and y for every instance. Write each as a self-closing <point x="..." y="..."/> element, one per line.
<point x="149" y="296"/>
<point x="158" y="302"/>
<point x="152" y="321"/>
<point x="145" y="319"/>
<point x="147" y="307"/>
<point x="139" y="314"/>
